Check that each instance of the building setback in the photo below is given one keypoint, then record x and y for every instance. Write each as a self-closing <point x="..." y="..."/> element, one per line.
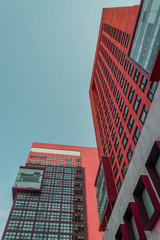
<point x="125" y="100"/>
<point x="54" y="195"/>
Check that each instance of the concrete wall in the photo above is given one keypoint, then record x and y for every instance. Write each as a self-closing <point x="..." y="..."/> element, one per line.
<point x="150" y="133"/>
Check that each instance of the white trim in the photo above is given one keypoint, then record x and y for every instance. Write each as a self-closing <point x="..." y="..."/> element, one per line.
<point x="56" y="151"/>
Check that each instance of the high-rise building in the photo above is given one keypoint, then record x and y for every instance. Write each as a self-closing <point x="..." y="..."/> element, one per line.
<point x="54" y="195"/>
<point x="125" y="102"/>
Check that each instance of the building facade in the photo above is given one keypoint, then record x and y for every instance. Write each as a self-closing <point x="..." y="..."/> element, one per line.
<point x="54" y="195"/>
<point x="125" y="97"/>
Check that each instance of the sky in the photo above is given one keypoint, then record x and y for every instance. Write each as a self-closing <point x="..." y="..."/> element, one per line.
<point x="47" y="50"/>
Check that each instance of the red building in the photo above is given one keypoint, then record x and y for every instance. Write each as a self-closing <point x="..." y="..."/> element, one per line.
<point x="54" y="195"/>
<point x="125" y="76"/>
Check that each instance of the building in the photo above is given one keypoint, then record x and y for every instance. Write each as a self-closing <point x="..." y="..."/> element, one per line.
<point x="125" y="99"/>
<point x="54" y="195"/>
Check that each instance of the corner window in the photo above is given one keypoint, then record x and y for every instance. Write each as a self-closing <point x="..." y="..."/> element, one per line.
<point x="136" y="135"/>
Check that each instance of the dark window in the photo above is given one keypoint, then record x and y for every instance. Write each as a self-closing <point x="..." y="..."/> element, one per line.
<point x="126" y="87"/>
<point x="109" y="147"/>
<point x="136" y="135"/>
<point x="108" y="117"/>
<point x="115" y="170"/>
<point x="113" y="134"/>
<point x="114" y="112"/>
<point x="125" y="141"/>
<point x="137" y="104"/>
<point x="126" y="64"/>
<point x="117" y="34"/>
<point x="130" y="123"/>
<point x="143" y="84"/>
<point x="136" y="76"/>
<point x="127" y="41"/>
<point x="120" y="34"/>
<point x="122" y="81"/>
<point x="121" y="104"/>
<point x="120" y="156"/>
<point x="143" y="114"/>
<point x="118" y="75"/>
<point x="110" y="125"/>
<point x="116" y="52"/>
<point x="122" y="59"/>
<point x="111" y="105"/>
<point x="116" y="144"/>
<point x="115" y="90"/>
<point x="124" y="170"/>
<point x="119" y="55"/>
<point x="123" y="37"/>
<point x="125" y="113"/>
<point x="119" y="183"/>
<point x="118" y="97"/>
<point x="120" y="129"/>
<point x="130" y="70"/>
<point x="130" y="153"/>
<point x="117" y="120"/>
<point x="107" y="137"/>
<point x="152" y="90"/>
<point x="112" y="157"/>
<point x="131" y="94"/>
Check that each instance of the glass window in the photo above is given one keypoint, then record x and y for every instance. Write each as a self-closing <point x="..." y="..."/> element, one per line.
<point x="147" y="203"/>
<point x="125" y="141"/>
<point x="115" y="170"/>
<point x="131" y="94"/>
<point x="136" y="135"/>
<point x="143" y="84"/>
<point x="137" y="104"/>
<point x="119" y="183"/>
<point x="125" y="113"/>
<point x="130" y="123"/>
<point x="143" y="114"/>
<point x="126" y="87"/>
<point x="120" y="131"/>
<point x="136" y="76"/>
<point x="152" y="90"/>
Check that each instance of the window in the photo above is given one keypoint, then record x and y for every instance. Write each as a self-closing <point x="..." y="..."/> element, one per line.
<point x="121" y="104"/>
<point x="136" y="76"/>
<point x="125" y="141"/>
<point x="127" y="40"/>
<point x="136" y="135"/>
<point x="130" y="123"/>
<point x="130" y="70"/>
<point x="112" y="157"/>
<point x="114" y="112"/>
<point x="119" y="183"/>
<point x="123" y="38"/>
<point x="117" y="119"/>
<point x="118" y="97"/>
<point x="130" y="153"/>
<point x="124" y="170"/>
<point x="109" y="147"/>
<point x="113" y="134"/>
<point x="137" y="104"/>
<point x="126" y="87"/>
<point x="125" y="113"/>
<point x="120" y="156"/>
<point x="122" y="81"/>
<point x="143" y="114"/>
<point x="143" y="84"/>
<point x="122" y="59"/>
<point x="131" y="94"/>
<point x="119" y="55"/>
<point x="126" y="64"/>
<point x="115" y="170"/>
<point x="152" y="90"/>
<point x="116" y="144"/>
<point x="110" y="125"/>
<point x="120" y="131"/>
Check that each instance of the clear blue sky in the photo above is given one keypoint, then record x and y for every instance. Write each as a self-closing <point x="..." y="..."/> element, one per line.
<point x="47" y="50"/>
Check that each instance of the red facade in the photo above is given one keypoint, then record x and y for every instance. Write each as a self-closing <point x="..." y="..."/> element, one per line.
<point x="64" y="206"/>
<point x="120" y="91"/>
